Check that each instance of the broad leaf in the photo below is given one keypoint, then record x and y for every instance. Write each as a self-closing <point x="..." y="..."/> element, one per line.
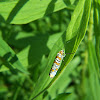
<point x="25" y="11"/>
<point x="9" y="59"/>
<point x="69" y="41"/>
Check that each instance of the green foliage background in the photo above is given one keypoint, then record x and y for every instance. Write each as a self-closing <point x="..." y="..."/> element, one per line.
<point x="31" y="34"/>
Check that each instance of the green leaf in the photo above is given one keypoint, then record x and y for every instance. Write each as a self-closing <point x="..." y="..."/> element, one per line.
<point x="63" y="81"/>
<point x="94" y="75"/>
<point x="97" y="27"/>
<point x="3" y="89"/>
<point x="69" y="41"/>
<point x="25" y="11"/>
<point x="63" y="96"/>
<point x="33" y="51"/>
<point x="8" y="59"/>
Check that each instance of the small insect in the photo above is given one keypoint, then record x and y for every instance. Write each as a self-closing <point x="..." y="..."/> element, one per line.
<point x="57" y="63"/>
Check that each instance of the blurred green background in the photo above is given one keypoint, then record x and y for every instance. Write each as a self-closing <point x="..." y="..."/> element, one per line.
<point x="32" y="43"/>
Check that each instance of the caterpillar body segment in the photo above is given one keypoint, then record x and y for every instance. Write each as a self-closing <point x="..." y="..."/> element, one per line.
<point x="57" y="63"/>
